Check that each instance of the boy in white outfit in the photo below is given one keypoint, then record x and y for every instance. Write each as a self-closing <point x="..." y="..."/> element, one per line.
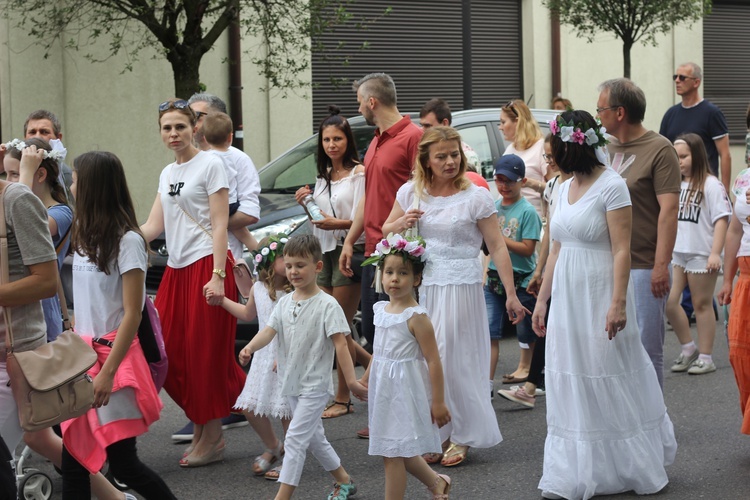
<point x="310" y="325"/>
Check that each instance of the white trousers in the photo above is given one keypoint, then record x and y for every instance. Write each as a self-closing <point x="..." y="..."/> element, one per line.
<point x="10" y="427"/>
<point x="306" y="431"/>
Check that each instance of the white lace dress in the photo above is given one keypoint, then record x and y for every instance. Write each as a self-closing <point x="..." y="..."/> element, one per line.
<point x="607" y="427"/>
<point x="451" y="292"/>
<point x="262" y="392"/>
<point x="399" y="389"/>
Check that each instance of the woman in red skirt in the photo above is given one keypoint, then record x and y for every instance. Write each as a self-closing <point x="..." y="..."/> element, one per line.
<point x="192" y="209"/>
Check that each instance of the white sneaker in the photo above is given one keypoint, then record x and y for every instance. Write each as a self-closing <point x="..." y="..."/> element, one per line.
<point x="682" y="363"/>
<point x="700" y="367"/>
<point x="539" y="391"/>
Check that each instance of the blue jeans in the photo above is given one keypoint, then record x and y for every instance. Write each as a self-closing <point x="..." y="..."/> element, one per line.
<point x="498" y="317"/>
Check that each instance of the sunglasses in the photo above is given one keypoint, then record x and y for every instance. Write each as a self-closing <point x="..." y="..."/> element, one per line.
<point x="178" y="104"/>
<point x="511" y="107"/>
<point x="682" y="78"/>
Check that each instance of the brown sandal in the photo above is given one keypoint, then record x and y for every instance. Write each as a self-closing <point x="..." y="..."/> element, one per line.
<point x="349" y="408"/>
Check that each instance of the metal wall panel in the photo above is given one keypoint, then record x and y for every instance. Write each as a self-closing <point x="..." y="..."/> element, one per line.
<point x="422" y="45"/>
<point x="726" y="63"/>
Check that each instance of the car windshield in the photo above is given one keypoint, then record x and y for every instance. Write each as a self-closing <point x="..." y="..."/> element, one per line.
<point x="297" y="167"/>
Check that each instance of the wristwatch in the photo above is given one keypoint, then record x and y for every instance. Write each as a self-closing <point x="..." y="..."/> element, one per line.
<point x="220" y="273"/>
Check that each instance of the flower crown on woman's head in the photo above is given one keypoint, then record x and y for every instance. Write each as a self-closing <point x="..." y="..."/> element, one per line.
<point x="58" y="151"/>
<point x="568" y="131"/>
<point x="265" y="255"/>
<point x="409" y="248"/>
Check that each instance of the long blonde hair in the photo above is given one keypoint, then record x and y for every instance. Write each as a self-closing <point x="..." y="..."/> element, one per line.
<point x="422" y="173"/>
<point x="527" y="129"/>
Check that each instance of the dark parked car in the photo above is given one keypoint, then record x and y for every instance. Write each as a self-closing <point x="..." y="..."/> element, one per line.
<point x="281" y="178"/>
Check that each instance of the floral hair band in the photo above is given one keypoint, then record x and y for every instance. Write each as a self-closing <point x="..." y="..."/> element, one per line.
<point x="265" y="255"/>
<point x="394" y="244"/>
<point x="58" y="152"/>
<point x="568" y="131"/>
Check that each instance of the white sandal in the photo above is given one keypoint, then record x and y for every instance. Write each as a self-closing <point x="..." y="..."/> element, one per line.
<point x="261" y="465"/>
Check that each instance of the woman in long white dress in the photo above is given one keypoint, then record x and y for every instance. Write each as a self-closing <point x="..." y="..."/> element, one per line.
<point x="453" y="217"/>
<point x="607" y="427"/>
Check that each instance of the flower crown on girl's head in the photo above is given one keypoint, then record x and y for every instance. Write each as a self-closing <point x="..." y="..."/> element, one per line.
<point x="568" y="131"/>
<point x="265" y="255"/>
<point x="409" y="248"/>
<point x="58" y="151"/>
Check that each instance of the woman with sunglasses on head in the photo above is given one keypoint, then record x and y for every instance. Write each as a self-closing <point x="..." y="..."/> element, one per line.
<point x="192" y="209"/>
<point x="109" y="288"/>
<point x="522" y="131"/>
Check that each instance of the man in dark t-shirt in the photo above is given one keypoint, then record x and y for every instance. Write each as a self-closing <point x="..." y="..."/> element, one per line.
<point x="701" y="117"/>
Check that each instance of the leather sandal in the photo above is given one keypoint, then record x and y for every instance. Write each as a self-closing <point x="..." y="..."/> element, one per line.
<point x="261" y="466"/>
<point x="273" y="474"/>
<point x="444" y="495"/>
<point x="348" y="405"/>
<point x="454" y="455"/>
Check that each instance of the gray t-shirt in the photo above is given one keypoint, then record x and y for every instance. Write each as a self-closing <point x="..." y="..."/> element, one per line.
<point x="29" y="243"/>
<point x="304" y="328"/>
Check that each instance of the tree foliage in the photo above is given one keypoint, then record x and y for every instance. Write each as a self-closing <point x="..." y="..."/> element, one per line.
<point x="629" y="20"/>
<point x="183" y="31"/>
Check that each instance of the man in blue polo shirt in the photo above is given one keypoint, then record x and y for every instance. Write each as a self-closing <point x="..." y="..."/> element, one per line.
<point x="701" y="117"/>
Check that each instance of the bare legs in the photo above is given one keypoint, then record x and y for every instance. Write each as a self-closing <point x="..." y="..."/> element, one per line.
<point x="701" y="289"/>
<point x="263" y="427"/>
<point x="395" y="476"/>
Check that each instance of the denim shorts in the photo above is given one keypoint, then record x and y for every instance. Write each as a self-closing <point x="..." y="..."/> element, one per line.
<point x="498" y="318"/>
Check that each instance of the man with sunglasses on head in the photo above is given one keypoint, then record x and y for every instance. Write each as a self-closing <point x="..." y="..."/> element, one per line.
<point x="651" y="169"/>
<point x="701" y="117"/>
<point x="248" y="189"/>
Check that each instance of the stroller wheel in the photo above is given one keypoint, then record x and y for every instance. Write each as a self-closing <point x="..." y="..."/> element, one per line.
<point x="35" y="485"/>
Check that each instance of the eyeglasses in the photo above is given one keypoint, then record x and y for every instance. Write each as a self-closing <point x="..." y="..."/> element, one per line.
<point x="682" y="78"/>
<point x="599" y="110"/>
<point x="505" y="182"/>
<point x="547" y="158"/>
<point x="178" y="104"/>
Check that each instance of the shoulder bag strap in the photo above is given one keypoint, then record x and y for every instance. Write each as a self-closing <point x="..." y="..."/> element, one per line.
<point x="4" y="269"/>
<point x="208" y="233"/>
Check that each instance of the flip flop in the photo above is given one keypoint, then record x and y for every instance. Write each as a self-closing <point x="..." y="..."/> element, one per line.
<point x="349" y="408"/>
<point x="512" y="379"/>
<point x="454" y="451"/>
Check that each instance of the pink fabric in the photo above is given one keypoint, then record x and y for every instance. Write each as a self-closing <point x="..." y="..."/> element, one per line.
<point x="84" y="437"/>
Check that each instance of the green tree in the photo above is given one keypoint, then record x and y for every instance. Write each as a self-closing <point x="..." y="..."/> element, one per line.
<point x="629" y="20"/>
<point x="183" y="31"/>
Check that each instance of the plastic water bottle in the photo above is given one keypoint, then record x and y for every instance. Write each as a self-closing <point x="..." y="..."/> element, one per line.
<point x="312" y="208"/>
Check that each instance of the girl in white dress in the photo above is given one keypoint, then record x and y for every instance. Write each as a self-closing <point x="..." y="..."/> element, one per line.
<point x="404" y="367"/>
<point x="261" y="399"/>
<point x="453" y="217"/>
<point x="607" y="427"/>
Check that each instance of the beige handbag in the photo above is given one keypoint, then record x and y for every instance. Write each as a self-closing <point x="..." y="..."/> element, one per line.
<point x="50" y="383"/>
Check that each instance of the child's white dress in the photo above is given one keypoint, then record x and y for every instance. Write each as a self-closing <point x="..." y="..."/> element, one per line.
<point x="262" y="392"/>
<point x="399" y="389"/>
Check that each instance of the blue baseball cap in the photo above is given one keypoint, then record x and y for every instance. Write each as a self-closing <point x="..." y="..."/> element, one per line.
<point x="511" y="166"/>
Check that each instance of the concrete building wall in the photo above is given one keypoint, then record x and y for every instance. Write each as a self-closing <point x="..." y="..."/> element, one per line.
<point x="102" y="107"/>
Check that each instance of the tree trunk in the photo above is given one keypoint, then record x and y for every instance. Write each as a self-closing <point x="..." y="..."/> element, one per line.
<point x="186" y="72"/>
<point x="626" y="46"/>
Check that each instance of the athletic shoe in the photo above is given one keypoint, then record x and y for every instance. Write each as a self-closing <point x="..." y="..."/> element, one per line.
<point x="700" y="367"/>
<point x="342" y="491"/>
<point x="518" y="396"/>
<point x="682" y="363"/>
<point x="539" y="390"/>
<point x="184" y="434"/>
<point x="232" y="421"/>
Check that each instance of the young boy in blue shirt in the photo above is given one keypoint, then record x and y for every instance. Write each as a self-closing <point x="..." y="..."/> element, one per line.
<point x="521" y="227"/>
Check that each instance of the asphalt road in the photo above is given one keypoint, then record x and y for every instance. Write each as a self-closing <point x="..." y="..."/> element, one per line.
<point x="713" y="459"/>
